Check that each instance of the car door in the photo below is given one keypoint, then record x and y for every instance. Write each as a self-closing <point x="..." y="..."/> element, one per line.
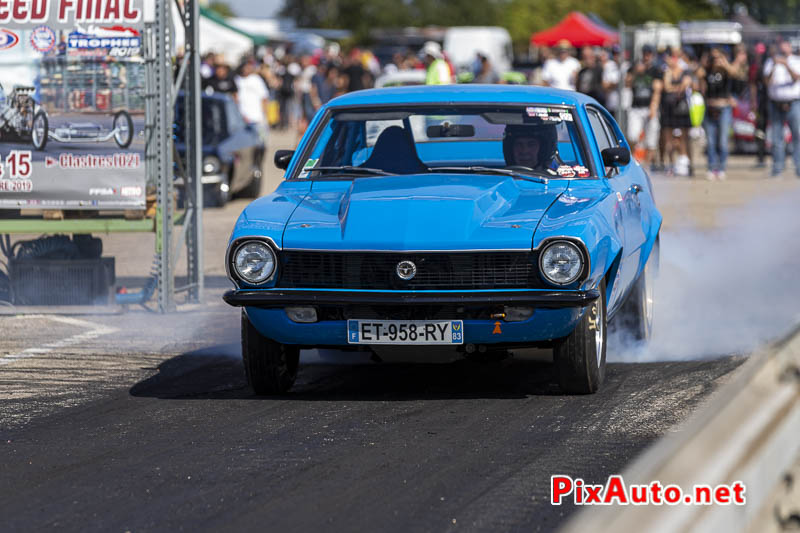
<point x="625" y="182"/>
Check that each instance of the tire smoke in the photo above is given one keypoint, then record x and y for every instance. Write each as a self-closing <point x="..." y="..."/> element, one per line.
<point x="724" y="291"/>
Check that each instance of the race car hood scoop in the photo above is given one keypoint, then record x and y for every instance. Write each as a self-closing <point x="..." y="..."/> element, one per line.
<point x="421" y="212"/>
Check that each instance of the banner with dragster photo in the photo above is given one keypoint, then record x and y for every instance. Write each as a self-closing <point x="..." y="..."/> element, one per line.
<point x="72" y="100"/>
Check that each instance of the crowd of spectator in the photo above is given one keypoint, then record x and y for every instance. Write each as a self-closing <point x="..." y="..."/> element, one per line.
<point x="283" y="91"/>
<point x="671" y="97"/>
<point x="677" y="96"/>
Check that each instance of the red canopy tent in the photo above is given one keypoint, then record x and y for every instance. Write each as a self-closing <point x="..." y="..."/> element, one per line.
<point x="579" y="30"/>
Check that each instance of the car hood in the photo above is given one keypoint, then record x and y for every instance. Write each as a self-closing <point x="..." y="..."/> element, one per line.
<point x="420" y="213"/>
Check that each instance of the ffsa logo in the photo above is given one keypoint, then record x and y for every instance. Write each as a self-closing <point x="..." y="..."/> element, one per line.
<point x="8" y="39"/>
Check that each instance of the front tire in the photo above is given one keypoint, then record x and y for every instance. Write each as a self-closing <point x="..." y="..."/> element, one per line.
<point x="271" y="368"/>
<point x="580" y="358"/>
<point x="218" y="194"/>
<point x="124" y="126"/>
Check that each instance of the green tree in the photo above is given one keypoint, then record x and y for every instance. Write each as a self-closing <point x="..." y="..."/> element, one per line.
<point x="221" y="8"/>
<point x="361" y="16"/>
<point x="521" y="17"/>
<point x="766" y="11"/>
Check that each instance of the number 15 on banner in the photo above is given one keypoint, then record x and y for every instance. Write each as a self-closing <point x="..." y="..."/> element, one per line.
<point x="17" y="165"/>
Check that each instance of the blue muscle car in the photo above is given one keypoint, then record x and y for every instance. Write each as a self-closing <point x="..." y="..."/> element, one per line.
<point x="486" y="218"/>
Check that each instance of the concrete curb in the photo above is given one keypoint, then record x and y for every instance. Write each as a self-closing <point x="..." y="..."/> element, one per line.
<point x="749" y="431"/>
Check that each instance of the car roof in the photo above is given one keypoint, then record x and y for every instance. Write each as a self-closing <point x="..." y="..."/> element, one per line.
<point x="462" y="93"/>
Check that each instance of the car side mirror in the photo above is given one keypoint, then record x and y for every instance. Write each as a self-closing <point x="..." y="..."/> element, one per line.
<point x="618" y="156"/>
<point x="283" y="158"/>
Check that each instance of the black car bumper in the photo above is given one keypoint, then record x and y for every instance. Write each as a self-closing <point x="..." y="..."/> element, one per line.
<point x="278" y="298"/>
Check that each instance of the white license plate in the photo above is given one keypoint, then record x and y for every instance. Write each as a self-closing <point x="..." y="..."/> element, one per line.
<point x="405" y="332"/>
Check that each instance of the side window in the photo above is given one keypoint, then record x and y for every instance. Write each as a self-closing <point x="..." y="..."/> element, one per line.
<point x="599" y="130"/>
<point x="600" y="133"/>
<point x="612" y="132"/>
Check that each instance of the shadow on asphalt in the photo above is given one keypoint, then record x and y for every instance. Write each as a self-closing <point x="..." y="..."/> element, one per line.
<point x="217" y="373"/>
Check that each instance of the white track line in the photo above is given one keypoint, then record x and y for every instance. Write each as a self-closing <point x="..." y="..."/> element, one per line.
<point x="95" y="331"/>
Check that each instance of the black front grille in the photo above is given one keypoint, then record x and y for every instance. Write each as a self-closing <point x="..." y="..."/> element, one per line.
<point x="435" y="271"/>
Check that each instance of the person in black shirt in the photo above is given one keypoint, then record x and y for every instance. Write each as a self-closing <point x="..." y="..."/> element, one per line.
<point x="355" y="72"/>
<point x="590" y="78"/>
<point x="675" y="121"/>
<point x="285" y="91"/>
<point x="758" y="103"/>
<point x="221" y="82"/>
<point x="645" y="82"/>
<point x="716" y="82"/>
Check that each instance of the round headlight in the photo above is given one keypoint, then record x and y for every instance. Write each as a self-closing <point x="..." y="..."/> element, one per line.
<point x="561" y="262"/>
<point x="254" y="262"/>
<point x="211" y="165"/>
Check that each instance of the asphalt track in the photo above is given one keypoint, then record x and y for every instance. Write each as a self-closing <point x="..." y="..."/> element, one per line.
<point x="464" y="446"/>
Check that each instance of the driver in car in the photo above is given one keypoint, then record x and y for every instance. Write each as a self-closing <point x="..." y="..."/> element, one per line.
<point x="531" y="146"/>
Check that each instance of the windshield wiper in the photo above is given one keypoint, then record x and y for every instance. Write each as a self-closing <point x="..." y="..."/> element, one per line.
<point x="348" y="169"/>
<point x="491" y="170"/>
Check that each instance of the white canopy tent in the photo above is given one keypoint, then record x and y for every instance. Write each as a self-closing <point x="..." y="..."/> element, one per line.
<point x="218" y="37"/>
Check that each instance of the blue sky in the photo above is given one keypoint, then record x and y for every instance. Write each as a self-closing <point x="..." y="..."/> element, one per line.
<point x="256" y="8"/>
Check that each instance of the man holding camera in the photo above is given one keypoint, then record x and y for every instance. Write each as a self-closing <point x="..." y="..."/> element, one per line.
<point x="782" y="76"/>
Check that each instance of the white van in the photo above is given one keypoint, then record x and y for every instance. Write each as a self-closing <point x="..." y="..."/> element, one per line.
<point x="462" y="44"/>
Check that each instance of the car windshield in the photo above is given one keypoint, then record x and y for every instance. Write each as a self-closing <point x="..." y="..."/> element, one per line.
<point x="215" y="128"/>
<point x="530" y="139"/>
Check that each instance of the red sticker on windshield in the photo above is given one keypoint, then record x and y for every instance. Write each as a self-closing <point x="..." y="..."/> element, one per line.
<point x="582" y="171"/>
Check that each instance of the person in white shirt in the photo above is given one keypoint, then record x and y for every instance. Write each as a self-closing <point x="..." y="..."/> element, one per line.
<point x="782" y="76"/>
<point x="560" y="72"/>
<point x="611" y="78"/>
<point x="253" y="99"/>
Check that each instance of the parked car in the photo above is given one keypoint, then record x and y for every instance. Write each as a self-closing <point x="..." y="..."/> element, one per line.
<point x="232" y="150"/>
<point x="483" y="218"/>
<point x="745" y="131"/>
<point x="401" y="78"/>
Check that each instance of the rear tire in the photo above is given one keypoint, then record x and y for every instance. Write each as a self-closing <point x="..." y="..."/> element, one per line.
<point x="580" y="358"/>
<point x="39" y="130"/>
<point x="271" y="368"/>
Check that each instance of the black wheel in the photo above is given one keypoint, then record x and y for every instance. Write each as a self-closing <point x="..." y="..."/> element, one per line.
<point x="39" y="130"/>
<point x="271" y="368"/>
<point x="580" y="358"/>
<point x="635" y="317"/>
<point x="123" y="124"/>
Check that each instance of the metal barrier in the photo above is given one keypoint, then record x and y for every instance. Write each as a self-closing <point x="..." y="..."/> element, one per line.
<point x="749" y="431"/>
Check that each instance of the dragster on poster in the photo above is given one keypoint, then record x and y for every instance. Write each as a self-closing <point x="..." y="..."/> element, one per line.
<point x="22" y="118"/>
